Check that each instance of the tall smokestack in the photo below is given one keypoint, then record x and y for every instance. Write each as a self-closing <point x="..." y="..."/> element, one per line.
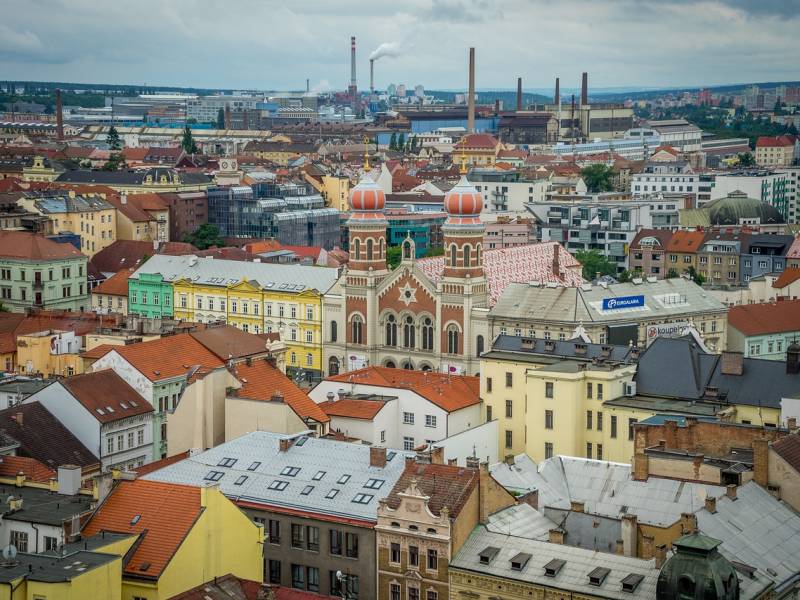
<point x="557" y="96"/>
<point x="471" y="98"/>
<point x="227" y="116"/>
<point x="308" y="86"/>
<point x="585" y="90"/>
<point x="519" y="94"/>
<point x="371" y="75"/>
<point x="353" y="64"/>
<point x="59" y="116"/>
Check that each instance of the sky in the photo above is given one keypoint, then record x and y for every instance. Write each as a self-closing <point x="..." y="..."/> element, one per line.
<point x="264" y="44"/>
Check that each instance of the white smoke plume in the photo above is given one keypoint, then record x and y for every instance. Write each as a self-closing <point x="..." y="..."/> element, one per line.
<point x="392" y="49"/>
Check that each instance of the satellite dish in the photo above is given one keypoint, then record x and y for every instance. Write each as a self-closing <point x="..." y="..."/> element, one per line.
<point x="10" y="552"/>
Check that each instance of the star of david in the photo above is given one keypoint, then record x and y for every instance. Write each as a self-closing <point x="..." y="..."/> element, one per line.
<point x="408" y="294"/>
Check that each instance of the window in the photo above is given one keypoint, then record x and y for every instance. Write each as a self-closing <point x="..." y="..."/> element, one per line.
<point x="110" y="445"/>
<point x="309" y="313"/>
<point x="278" y="485"/>
<point x="50" y="543"/>
<point x="394" y="591"/>
<point x="362" y="498"/>
<point x="488" y="384"/>
<point x="413" y="593"/>
<point x="452" y="339"/>
<point x="631" y="423"/>
<point x="298" y="577"/>
<point x="351" y="545"/>
<point x="599" y="421"/>
<point x="589" y="390"/>
<point x="307" y="490"/>
<point x="588" y="449"/>
<point x="343" y="479"/>
<point x="20" y="540"/>
<point x="588" y="419"/>
<point x="226" y="462"/>
<point x="613" y="426"/>
<point x="548" y="450"/>
<point x="548" y="419"/>
<point x="312" y="538"/>
<point x="488" y="413"/>
<point x="332" y="493"/>
<point x="334" y="331"/>
<point x="120" y="442"/>
<point x="430" y="420"/>
<point x="432" y="595"/>
<point x="509" y="438"/>
<point x="599" y="391"/>
<point x="336" y="542"/>
<point x="408" y="418"/>
<point x="297" y="536"/>
<point x="433" y="560"/>
<point x="427" y="334"/>
<point x="357" y="330"/>
<point x="290" y="471"/>
<point x="413" y="556"/>
<point x="394" y="552"/>
<point x="274" y="571"/>
<point x="131" y="435"/>
<point x="509" y="379"/>
<point x="408" y="443"/>
<point x="548" y="389"/>
<point x="309" y="337"/>
<point x="409" y="333"/>
<point x="599" y="451"/>
<point x="312" y="576"/>
<point x="319" y="475"/>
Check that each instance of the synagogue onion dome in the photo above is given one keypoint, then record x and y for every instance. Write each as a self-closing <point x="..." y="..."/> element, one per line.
<point x="367" y="199"/>
<point x="463" y="203"/>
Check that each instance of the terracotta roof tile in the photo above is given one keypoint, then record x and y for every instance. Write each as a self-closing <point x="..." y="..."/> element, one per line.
<point x="10" y="466"/>
<point x="790" y="275"/>
<point x="788" y="448"/>
<point x="106" y="396"/>
<point x="148" y="201"/>
<point x="445" y="485"/>
<point x="352" y="409"/>
<point x="260" y="381"/>
<point x="757" y="319"/>
<point x="32" y="246"/>
<point x="483" y="141"/>
<point x="123" y="254"/>
<point x="227" y="341"/>
<point x="98" y="351"/>
<point x="116" y="285"/>
<point x="686" y="241"/>
<point x="166" y="514"/>
<point x="780" y="141"/>
<point x="662" y="235"/>
<point x="160" y="464"/>
<point x="448" y="392"/>
<point x="794" y="249"/>
<point x="170" y="356"/>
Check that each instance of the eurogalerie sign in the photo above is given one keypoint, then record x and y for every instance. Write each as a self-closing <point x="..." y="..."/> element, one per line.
<point x="621" y="302"/>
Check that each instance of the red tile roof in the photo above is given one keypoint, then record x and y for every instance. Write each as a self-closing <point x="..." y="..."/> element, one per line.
<point x="788" y="448"/>
<point x="160" y="464"/>
<point x="123" y="254"/>
<point x="149" y="201"/>
<point x="261" y="381"/>
<point x="352" y="409"/>
<point x="166" y="514"/>
<point x="757" y="319"/>
<point x="448" y="392"/>
<point x="98" y="351"/>
<point x="445" y="485"/>
<point x="789" y="276"/>
<point x="32" y="246"/>
<point x="10" y="466"/>
<point x="780" y="141"/>
<point x="686" y="241"/>
<point x="794" y="249"/>
<point x="230" y="587"/>
<point x="170" y="356"/>
<point x="106" y="396"/>
<point x="135" y="154"/>
<point x="116" y="285"/>
<point x="482" y="141"/>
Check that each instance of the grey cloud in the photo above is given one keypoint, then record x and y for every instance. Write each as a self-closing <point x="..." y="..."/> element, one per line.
<point x="464" y="11"/>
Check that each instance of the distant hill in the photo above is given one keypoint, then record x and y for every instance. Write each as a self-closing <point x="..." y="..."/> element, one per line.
<point x="507" y="97"/>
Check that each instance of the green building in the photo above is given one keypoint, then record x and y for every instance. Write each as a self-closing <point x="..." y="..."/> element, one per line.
<point x="36" y="272"/>
<point x="149" y="295"/>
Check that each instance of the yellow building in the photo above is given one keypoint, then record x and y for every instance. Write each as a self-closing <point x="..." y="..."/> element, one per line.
<point x="281" y="153"/>
<point x="50" y="353"/>
<point x="335" y="189"/>
<point x="39" y="170"/>
<point x="178" y="537"/>
<point x="142" y="217"/>
<point x="90" y="216"/>
<point x="477" y="149"/>
<point x="259" y="298"/>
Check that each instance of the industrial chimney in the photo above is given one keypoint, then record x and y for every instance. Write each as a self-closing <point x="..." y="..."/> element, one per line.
<point x="308" y="86"/>
<point x="59" y="116"/>
<point x="353" y="87"/>
<point x="557" y="95"/>
<point x="228" y="116"/>
<point x="471" y="97"/>
<point x="585" y="90"/>
<point x="519" y="94"/>
<point x="371" y="75"/>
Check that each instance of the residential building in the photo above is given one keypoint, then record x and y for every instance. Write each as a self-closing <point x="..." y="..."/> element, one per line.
<point x="661" y="177"/>
<point x="764" y="330"/>
<point x="763" y="254"/>
<point x="106" y="414"/>
<point x="678" y="133"/>
<point x="507" y="191"/>
<point x="647" y="254"/>
<point x="281" y="153"/>
<point x="509" y="233"/>
<point x="777" y="151"/>
<point x="36" y="272"/>
<point x="129" y="254"/>
<point x="478" y="149"/>
<point x="155" y="179"/>
<point x="89" y="216"/>
<point x="398" y="408"/>
<point x="111" y="296"/>
<point x="255" y="297"/>
<point x="318" y="500"/>
<point x="187" y="211"/>
<point x="142" y="217"/>
<point x="617" y="313"/>
<point x="769" y="287"/>
<point x="682" y="252"/>
<point x="174" y="537"/>
<point x="424" y="522"/>
<point x="15" y="388"/>
<point x="719" y="256"/>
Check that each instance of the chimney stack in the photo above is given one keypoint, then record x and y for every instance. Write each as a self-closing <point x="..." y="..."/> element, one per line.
<point x="59" y="116"/>
<point x="519" y="94"/>
<point x="377" y="457"/>
<point x="471" y="92"/>
<point x="371" y="75"/>
<point x="557" y="95"/>
<point x="585" y="89"/>
<point x="308" y="86"/>
<point x="227" y="116"/>
<point x="556" y="536"/>
<point x="711" y="504"/>
<point x="353" y="88"/>
<point x="556" y="263"/>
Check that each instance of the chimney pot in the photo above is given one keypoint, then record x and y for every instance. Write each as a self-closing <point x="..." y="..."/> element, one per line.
<point x="791" y="423"/>
<point x="576" y="506"/>
<point x="732" y="363"/>
<point x="556" y="536"/>
<point x="711" y="504"/>
<point x="377" y="457"/>
<point x="730" y="491"/>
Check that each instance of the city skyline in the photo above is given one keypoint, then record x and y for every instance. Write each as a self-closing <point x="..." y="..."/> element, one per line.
<point x="188" y="43"/>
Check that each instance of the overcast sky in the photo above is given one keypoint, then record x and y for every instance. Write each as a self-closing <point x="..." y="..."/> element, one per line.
<point x="277" y="45"/>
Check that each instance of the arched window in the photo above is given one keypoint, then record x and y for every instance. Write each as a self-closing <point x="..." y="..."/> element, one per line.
<point x="409" y="333"/>
<point x="452" y="340"/>
<point x="452" y="255"/>
<point x="333" y="366"/>
<point x="685" y="587"/>
<point x="369" y="249"/>
<point x="382" y="247"/>
<point x="357" y="248"/>
<point x="467" y="256"/>
<point x="358" y="330"/>
<point x="478" y="249"/>
<point x="334" y="331"/>
<point x="391" y="331"/>
<point x="479" y="346"/>
<point x="427" y="334"/>
<point x="407" y="365"/>
<point x="426" y="368"/>
<point x="390" y="364"/>
<point x="407" y="250"/>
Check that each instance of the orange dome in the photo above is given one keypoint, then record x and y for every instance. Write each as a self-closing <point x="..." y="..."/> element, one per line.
<point x="367" y="195"/>
<point x="463" y="199"/>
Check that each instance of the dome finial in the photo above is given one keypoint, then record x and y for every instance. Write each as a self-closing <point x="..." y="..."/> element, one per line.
<point x="366" y="154"/>
<point x="463" y="169"/>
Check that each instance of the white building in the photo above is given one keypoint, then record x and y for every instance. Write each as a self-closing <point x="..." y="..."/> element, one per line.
<point x="678" y="133"/>
<point x="205" y="109"/>
<point x="507" y="192"/>
<point x="666" y="177"/>
<point x="771" y="186"/>
<point x="105" y="414"/>
<point x="398" y="408"/>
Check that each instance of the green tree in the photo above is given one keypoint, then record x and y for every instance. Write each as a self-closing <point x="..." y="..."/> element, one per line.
<point x="116" y="162"/>
<point x="393" y="256"/>
<point x="187" y="143"/>
<point x="698" y="278"/>
<point x="393" y="141"/>
<point x="672" y="274"/>
<point x="598" y="178"/>
<point x="401" y="143"/>
<point x="204" y="237"/>
<point x="113" y="139"/>
<point x="593" y="263"/>
<point x="626" y="276"/>
<point x="221" y="119"/>
<point x="746" y="159"/>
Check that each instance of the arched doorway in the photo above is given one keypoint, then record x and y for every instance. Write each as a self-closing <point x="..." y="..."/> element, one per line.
<point x="333" y="366"/>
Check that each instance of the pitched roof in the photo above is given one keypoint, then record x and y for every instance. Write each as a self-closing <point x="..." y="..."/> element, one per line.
<point x="448" y="392"/>
<point x="227" y="341"/>
<point x="483" y="141"/>
<point x="790" y="275"/>
<point x="106" y="395"/>
<point x="131" y="211"/>
<point x="662" y="235"/>
<point x="445" y="485"/>
<point x="26" y="245"/>
<point x="160" y="464"/>
<point x="260" y="381"/>
<point x="352" y="409"/>
<point x="116" y="285"/>
<point x="686" y="241"/>
<point x="794" y="249"/>
<point x="43" y="437"/>
<point x="788" y="448"/>
<point x="10" y="466"/>
<point x="166" y="514"/>
<point x="170" y="356"/>
<point x="98" y="351"/>
<point x="230" y="587"/>
<point x="123" y="254"/>
<point x="780" y="141"/>
<point x="757" y="319"/>
<point x="148" y="201"/>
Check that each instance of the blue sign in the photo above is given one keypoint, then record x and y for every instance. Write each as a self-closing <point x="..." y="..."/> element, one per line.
<point x="622" y="302"/>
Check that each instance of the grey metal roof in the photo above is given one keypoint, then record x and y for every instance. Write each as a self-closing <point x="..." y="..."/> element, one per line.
<point x="664" y="299"/>
<point x="523" y="521"/>
<point x="258" y="458"/>
<point x="573" y="575"/>
<point x="222" y="273"/>
<point x="51" y="569"/>
<point x="560" y="349"/>
<point x="41" y="506"/>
